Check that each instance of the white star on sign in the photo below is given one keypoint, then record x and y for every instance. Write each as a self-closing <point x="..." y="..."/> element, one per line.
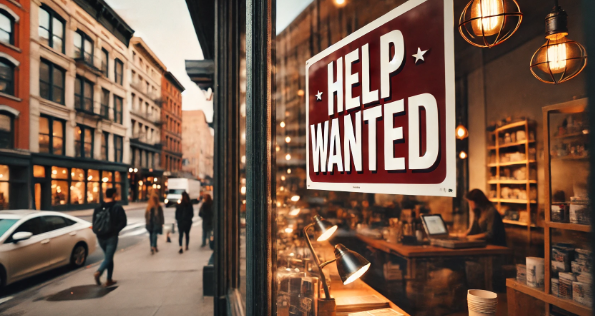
<point x="419" y="55"/>
<point x="319" y="96"/>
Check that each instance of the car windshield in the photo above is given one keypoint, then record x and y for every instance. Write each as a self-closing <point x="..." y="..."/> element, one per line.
<point x="6" y="224"/>
<point x="175" y="191"/>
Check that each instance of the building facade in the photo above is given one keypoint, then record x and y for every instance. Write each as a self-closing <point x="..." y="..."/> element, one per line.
<point x="14" y="104"/>
<point x="197" y="144"/>
<point x="78" y="136"/>
<point x="171" y="131"/>
<point x="145" y="73"/>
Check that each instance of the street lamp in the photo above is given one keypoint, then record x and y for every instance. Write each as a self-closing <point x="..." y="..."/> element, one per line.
<point x="350" y="264"/>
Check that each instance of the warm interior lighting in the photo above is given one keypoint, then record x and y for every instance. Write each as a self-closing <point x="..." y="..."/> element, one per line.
<point x="358" y="274"/>
<point x="300" y="91"/>
<point x="289" y="230"/>
<point x="287" y="157"/>
<point x="461" y="132"/>
<point x="243" y="190"/>
<point x="287" y="139"/>
<point x="555" y="55"/>
<point x="278" y="148"/>
<point x="484" y="11"/>
<point x="288" y="171"/>
<point x="282" y="124"/>
<point x="327" y="234"/>
<point x="282" y="178"/>
<point x="339" y="2"/>
<point x="294" y="212"/>
<point x="295" y="198"/>
<point x="463" y="155"/>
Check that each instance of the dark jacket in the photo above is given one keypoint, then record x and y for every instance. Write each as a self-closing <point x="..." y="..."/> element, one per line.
<point x="206" y="212"/>
<point x="155" y="225"/>
<point x="184" y="213"/>
<point x="117" y="217"/>
<point x="490" y="222"/>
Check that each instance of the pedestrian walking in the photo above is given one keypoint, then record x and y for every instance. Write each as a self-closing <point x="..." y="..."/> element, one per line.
<point x="154" y="221"/>
<point x="184" y="214"/>
<point x="108" y="220"/>
<point x="206" y="212"/>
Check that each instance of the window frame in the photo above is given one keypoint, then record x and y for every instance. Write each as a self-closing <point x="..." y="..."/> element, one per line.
<point x="118" y="78"/>
<point x="81" y="145"/>
<point x="81" y="107"/>
<point x="118" y="113"/>
<point x="82" y="57"/>
<point x="52" y="67"/>
<point x="105" y="59"/>
<point x="11" y="87"/>
<point x="51" y="121"/>
<point x="11" y="35"/>
<point x="104" y="111"/>
<point x="11" y="133"/>
<point x="105" y="135"/>
<point x="118" y="148"/>
<point x="53" y="15"/>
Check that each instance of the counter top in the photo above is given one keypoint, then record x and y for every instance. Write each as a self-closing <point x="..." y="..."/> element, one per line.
<point x="431" y="251"/>
<point x="358" y="289"/>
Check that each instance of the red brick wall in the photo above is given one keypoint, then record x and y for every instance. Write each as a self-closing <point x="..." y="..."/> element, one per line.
<point x="20" y="52"/>
<point x="171" y="128"/>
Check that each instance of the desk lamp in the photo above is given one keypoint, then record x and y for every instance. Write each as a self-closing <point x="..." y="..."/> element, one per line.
<point x="350" y="264"/>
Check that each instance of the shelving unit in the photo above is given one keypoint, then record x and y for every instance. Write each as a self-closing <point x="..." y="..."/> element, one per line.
<point x="559" y="177"/>
<point x="495" y="169"/>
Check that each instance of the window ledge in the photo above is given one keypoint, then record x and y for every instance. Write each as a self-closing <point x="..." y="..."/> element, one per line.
<point x="16" y="3"/>
<point x="16" y="49"/>
<point x="12" y="97"/>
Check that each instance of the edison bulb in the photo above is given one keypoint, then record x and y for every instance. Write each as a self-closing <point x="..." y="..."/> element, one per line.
<point x="485" y="11"/>
<point x="287" y="157"/>
<point x="463" y="155"/>
<point x="556" y="53"/>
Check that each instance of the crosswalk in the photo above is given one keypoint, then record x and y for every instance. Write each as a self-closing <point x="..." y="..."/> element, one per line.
<point x="137" y="227"/>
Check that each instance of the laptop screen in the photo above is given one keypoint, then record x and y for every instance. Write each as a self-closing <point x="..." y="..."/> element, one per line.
<point x="434" y="225"/>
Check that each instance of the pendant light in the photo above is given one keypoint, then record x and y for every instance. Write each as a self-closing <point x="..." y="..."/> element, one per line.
<point x="560" y="58"/>
<point x="487" y="23"/>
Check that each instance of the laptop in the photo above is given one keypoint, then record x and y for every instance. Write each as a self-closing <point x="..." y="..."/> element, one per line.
<point x="438" y="234"/>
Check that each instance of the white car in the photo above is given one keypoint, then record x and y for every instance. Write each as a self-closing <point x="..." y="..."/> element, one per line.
<point x="32" y="242"/>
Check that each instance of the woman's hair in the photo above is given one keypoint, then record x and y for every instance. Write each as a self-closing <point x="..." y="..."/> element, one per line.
<point x="185" y="198"/>
<point x="153" y="201"/>
<point x="479" y="198"/>
<point x="208" y="199"/>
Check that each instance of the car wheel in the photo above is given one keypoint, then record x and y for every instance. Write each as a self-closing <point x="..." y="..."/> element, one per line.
<point x="79" y="256"/>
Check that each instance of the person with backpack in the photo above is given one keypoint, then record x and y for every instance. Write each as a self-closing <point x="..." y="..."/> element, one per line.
<point x="206" y="212"/>
<point x="184" y="214"/>
<point x="154" y="221"/>
<point x="108" y="220"/>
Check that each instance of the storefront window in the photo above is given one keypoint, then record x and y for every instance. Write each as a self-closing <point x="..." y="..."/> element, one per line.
<point x="93" y="186"/>
<point x="106" y="181"/>
<point x="60" y="187"/>
<point x="4" y="187"/>
<point x="77" y="186"/>
<point x="39" y="171"/>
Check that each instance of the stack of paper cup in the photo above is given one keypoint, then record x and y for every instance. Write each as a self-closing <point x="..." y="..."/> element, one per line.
<point x="482" y="303"/>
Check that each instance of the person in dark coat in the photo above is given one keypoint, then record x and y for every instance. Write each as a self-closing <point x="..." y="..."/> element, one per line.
<point x="154" y="221"/>
<point x="184" y="214"/>
<point x="487" y="222"/>
<point x="206" y="212"/>
<point x="109" y="241"/>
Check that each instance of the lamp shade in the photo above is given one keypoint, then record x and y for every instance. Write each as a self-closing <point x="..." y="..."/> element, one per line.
<point x="487" y="23"/>
<point x="326" y="228"/>
<point x="350" y="264"/>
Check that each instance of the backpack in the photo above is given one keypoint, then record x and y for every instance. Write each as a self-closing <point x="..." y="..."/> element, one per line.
<point x="102" y="224"/>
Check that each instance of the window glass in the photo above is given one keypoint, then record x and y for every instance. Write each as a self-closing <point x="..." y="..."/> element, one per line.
<point x="107" y="176"/>
<point x="78" y="45"/>
<point x="51" y="82"/>
<point x="56" y="222"/>
<point x="93" y="192"/>
<point x="44" y="80"/>
<point x="44" y="135"/>
<point x="88" y="49"/>
<point x="78" y="136"/>
<point x="57" y="35"/>
<point x="4" y="187"/>
<point x="77" y="174"/>
<point x="118" y="144"/>
<point x="6" y="224"/>
<point x="58" y="86"/>
<point x="104" y="146"/>
<point x="105" y="103"/>
<point x="33" y="226"/>
<point x="39" y="171"/>
<point x="44" y="26"/>
<point x="104" y="61"/>
<point x="58" y="137"/>
<point x="88" y="143"/>
<point x="6" y="132"/>
<point x="119" y="69"/>
<point x="59" y="192"/>
<point x="88" y="92"/>
<point x="77" y="192"/>
<point x="6" y="27"/>
<point x="6" y="77"/>
<point x="59" y="173"/>
<point x="118" y="101"/>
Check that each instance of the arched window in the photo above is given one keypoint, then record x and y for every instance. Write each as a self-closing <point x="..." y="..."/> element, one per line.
<point x="6" y="130"/>
<point x="6" y="27"/>
<point x="6" y="77"/>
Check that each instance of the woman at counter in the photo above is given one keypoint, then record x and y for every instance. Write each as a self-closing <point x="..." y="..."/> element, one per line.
<point x="486" y="221"/>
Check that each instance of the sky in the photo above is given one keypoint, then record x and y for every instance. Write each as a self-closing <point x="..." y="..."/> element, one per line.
<point x="287" y="10"/>
<point x="169" y="32"/>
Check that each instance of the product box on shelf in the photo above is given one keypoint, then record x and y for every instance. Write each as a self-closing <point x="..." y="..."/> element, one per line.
<point x="581" y="293"/>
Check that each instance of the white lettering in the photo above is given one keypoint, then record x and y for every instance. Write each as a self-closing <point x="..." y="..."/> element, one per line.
<point x="335" y="86"/>
<point x="367" y="95"/>
<point x="387" y="65"/>
<point x="391" y="134"/>
<point x="370" y="116"/>
<point x="350" y="80"/>
<point x="352" y="143"/>
<point x="428" y="102"/>
<point x="318" y="146"/>
<point x="335" y="148"/>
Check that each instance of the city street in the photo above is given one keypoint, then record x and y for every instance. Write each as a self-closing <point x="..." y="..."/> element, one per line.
<point x="133" y="258"/>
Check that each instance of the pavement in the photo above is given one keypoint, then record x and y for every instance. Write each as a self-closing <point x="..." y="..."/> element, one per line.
<point x="166" y="283"/>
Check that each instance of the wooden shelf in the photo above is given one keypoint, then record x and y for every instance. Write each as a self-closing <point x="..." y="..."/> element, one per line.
<point x="570" y="226"/>
<point x="492" y="147"/>
<point x="512" y="125"/>
<point x="570" y="158"/>
<point x="512" y="163"/>
<point x="513" y="201"/>
<point x="512" y="181"/>
<point x="510" y="222"/>
<point x="565" y="304"/>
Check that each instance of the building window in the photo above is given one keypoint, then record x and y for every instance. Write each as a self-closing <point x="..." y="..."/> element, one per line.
<point x="83" y="47"/>
<point x="118" y="102"/>
<point x="119" y="72"/>
<point x="83" y="142"/>
<point x="51" y="29"/>
<point x="83" y="95"/>
<point x="105" y="104"/>
<point x="51" y="135"/>
<point x="93" y="180"/>
<point x="51" y="82"/>
<point x="6" y="27"/>
<point x="60" y="186"/>
<point x="105" y="62"/>
<point x="6" y="130"/>
<point x="6" y="76"/>
<point x="104" y="146"/>
<point x="118" y="148"/>
<point x="77" y="186"/>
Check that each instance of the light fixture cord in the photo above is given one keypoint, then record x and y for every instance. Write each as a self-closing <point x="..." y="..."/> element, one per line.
<point x="556" y="3"/>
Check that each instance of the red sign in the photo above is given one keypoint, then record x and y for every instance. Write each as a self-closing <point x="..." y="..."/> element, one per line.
<point x="381" y="107"/>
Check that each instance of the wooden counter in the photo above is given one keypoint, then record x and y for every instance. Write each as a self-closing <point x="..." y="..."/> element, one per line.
<point x="358" y="289"/>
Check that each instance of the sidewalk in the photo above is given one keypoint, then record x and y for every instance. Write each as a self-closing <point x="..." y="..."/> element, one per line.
<point x="89" y="212"/>
<point x="166" y="283"/>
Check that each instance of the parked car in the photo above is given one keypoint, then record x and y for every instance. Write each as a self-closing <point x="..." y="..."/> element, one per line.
<point x="32" y="242"/>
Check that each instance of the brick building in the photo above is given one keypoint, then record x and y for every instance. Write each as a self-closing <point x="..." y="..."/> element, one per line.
<point x="14" y="104"/>
<point x="197" y="144"/>
<point x="171" y="127"/>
